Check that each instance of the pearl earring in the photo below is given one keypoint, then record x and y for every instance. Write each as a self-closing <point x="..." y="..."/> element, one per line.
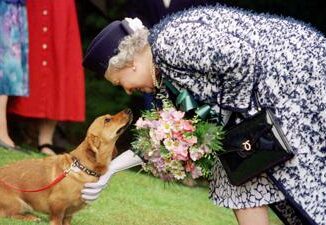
<point x="134" y="68"/>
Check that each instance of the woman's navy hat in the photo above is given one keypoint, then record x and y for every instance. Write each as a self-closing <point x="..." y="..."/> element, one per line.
<point x="105" y="45"/>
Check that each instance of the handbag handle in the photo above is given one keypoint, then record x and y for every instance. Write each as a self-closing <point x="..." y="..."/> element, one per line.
<point x="259" y="107"/>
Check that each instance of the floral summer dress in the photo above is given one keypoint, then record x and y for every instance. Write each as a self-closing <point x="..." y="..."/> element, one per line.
<point x="13" y="49"/>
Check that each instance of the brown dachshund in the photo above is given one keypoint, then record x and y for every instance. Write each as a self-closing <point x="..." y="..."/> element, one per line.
<point x="63" y="199"/>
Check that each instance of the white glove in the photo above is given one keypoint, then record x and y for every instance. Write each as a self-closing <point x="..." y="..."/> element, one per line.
<point x="124" y="161"/>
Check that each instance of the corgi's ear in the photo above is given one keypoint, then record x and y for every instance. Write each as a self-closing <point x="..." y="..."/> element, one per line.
<point x="94" y="143"/>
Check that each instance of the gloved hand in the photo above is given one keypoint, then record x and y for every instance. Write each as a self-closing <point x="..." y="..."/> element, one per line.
<point x="124" y="161"/>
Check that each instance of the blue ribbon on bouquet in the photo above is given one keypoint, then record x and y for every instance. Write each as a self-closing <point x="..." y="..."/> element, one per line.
<point x="185" y="102"/>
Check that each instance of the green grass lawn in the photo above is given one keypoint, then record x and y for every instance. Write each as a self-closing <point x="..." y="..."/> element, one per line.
<point x="138" y="199"/>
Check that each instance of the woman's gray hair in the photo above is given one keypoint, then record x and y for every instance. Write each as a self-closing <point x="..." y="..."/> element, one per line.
<point x="128" y="47"/>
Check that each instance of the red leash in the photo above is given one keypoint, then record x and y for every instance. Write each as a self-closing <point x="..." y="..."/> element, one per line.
<point x="54" y="182"/>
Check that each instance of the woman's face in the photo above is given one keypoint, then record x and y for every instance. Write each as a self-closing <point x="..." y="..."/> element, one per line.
<point x="137" y="76"/>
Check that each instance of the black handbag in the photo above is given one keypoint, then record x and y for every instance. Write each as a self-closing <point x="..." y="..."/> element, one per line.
<point x="253" y="146"/>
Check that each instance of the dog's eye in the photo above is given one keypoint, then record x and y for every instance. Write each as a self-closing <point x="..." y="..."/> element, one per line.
<point x="107" y="120"/>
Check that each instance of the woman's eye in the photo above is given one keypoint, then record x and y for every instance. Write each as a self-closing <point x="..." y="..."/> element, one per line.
<point x="107" y="120"/>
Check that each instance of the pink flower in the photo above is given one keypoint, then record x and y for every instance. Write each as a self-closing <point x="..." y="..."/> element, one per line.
<point x="190" y="140"/>
<point x="189" y="166"/>
<point x="177" y="115"/>
<point x="196" y="172"/>
<point x="171" y="115"/>
<point x="159" y="163"/>
<point x="160" y="135"/>
<point x="196" y="153"/>
<point x="186" y="125"/>
<point x="154" y="138"/>
<point x="168" y="143"/>
<point x="166" y="115"/>
<point x="180" y="136"/>
<point x="177" y="135"/>
<point x="193" y="169"/>
<point x="141" y="123"/>
<point x="154" y="124"/>
<point x="165" y="127"/>
<point x="180" y="151"/>
<point x="205" y="149"/>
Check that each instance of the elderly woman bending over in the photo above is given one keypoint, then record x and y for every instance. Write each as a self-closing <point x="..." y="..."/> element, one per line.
<point x="282" y="60"/>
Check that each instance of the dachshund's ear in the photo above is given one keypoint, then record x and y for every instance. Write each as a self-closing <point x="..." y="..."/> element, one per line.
<point x="94" y="143"/>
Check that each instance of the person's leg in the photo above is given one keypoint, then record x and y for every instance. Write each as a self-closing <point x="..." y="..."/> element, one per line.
<point x="46" y="131"/>
<point x="250" y="216"/>
<point x="4" y="135"/>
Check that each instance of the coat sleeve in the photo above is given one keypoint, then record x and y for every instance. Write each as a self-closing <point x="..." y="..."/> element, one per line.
<point x="198" y="56"/>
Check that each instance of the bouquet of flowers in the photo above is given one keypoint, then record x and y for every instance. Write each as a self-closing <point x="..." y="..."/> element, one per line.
<point x="175" y="147"/>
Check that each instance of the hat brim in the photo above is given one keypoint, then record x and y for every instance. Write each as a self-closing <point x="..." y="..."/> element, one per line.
<point x="104" y="46"/>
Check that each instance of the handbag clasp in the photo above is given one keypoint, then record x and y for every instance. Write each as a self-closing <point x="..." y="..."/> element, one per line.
<point x="246" y="145"/>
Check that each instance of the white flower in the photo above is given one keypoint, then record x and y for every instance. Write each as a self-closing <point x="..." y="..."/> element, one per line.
<point x="134" y="24"/>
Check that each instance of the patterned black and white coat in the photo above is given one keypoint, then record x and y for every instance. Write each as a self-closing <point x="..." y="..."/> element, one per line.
<point x="284" y="62"/>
